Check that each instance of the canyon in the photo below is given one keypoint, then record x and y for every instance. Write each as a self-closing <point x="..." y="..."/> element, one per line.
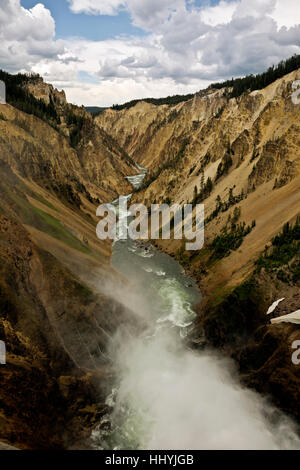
<point x="58" y="306"/>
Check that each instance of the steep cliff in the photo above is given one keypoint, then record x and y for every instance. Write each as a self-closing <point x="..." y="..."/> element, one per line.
<point x="248" y="147"/>
<point x="56" y="320"/>
<point x="240" y="157"/>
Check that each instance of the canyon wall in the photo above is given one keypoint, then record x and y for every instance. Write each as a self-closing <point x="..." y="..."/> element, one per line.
<point x="240" y="157"/>
<point x="55" y="318"/>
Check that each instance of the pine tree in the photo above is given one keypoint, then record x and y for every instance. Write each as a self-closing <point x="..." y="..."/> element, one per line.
<point x="195" y="192"/>
<point x="202" y="181"/>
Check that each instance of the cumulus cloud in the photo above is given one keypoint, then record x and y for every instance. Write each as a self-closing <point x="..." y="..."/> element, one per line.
<point x="286" y="13"/>
<point x="254" y="8"/>
<point x="186" y="45"/>
<point x="193" y="43"/>
<point x="27" y="36"/>
<point x="97" y="7"/>
<point x="145" y="13"/>
<point x="150" y="14"/>
<point x="218" y="14"/>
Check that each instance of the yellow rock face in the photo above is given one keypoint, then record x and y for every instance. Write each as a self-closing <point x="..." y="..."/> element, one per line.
<point x="261" y="133"/>
<point x="52" y="267"/>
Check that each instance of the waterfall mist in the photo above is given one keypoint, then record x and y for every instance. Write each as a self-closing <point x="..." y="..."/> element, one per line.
<point x="167" y="396"/>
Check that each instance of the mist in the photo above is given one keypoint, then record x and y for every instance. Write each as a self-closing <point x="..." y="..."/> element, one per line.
<point x="166" y="396"/>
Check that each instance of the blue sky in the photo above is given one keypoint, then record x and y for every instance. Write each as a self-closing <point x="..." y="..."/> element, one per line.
<point x="103" y="52"/>
<point x="92" y="27"/>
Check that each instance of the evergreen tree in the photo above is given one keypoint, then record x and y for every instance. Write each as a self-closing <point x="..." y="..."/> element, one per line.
<point x="259" y="81"/>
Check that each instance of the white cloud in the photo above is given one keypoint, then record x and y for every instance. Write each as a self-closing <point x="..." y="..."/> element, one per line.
<point x="286" y="13"/>
<point x="97" y="7"/>
<point x="194" y="44"/>
<point x="121" y="90"/>
<point x="150" y="14"/>
<point x="185" y="49"/>
<point x="254" y="8"/>
<point x="146" y="14"/>
<point x="26" y="36"/>
<point x="219" y="14"/>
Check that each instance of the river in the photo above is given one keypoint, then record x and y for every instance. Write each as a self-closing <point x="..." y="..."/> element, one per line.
<point x="166" y="396"/>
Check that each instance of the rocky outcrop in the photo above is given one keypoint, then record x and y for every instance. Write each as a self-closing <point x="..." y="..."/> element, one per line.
<point x="46" y="92"/>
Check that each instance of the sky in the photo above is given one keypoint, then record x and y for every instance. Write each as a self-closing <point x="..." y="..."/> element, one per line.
<point x="104" y="52"/>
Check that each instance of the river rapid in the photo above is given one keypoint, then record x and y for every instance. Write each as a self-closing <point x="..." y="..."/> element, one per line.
<point x="164" y="395"/>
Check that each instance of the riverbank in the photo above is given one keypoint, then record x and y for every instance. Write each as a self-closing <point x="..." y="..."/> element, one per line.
<point x="234" y="320"/>
<point x="170" y="392"/>
<point x="151" y="364"/>
<point x="233" y="311"/>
